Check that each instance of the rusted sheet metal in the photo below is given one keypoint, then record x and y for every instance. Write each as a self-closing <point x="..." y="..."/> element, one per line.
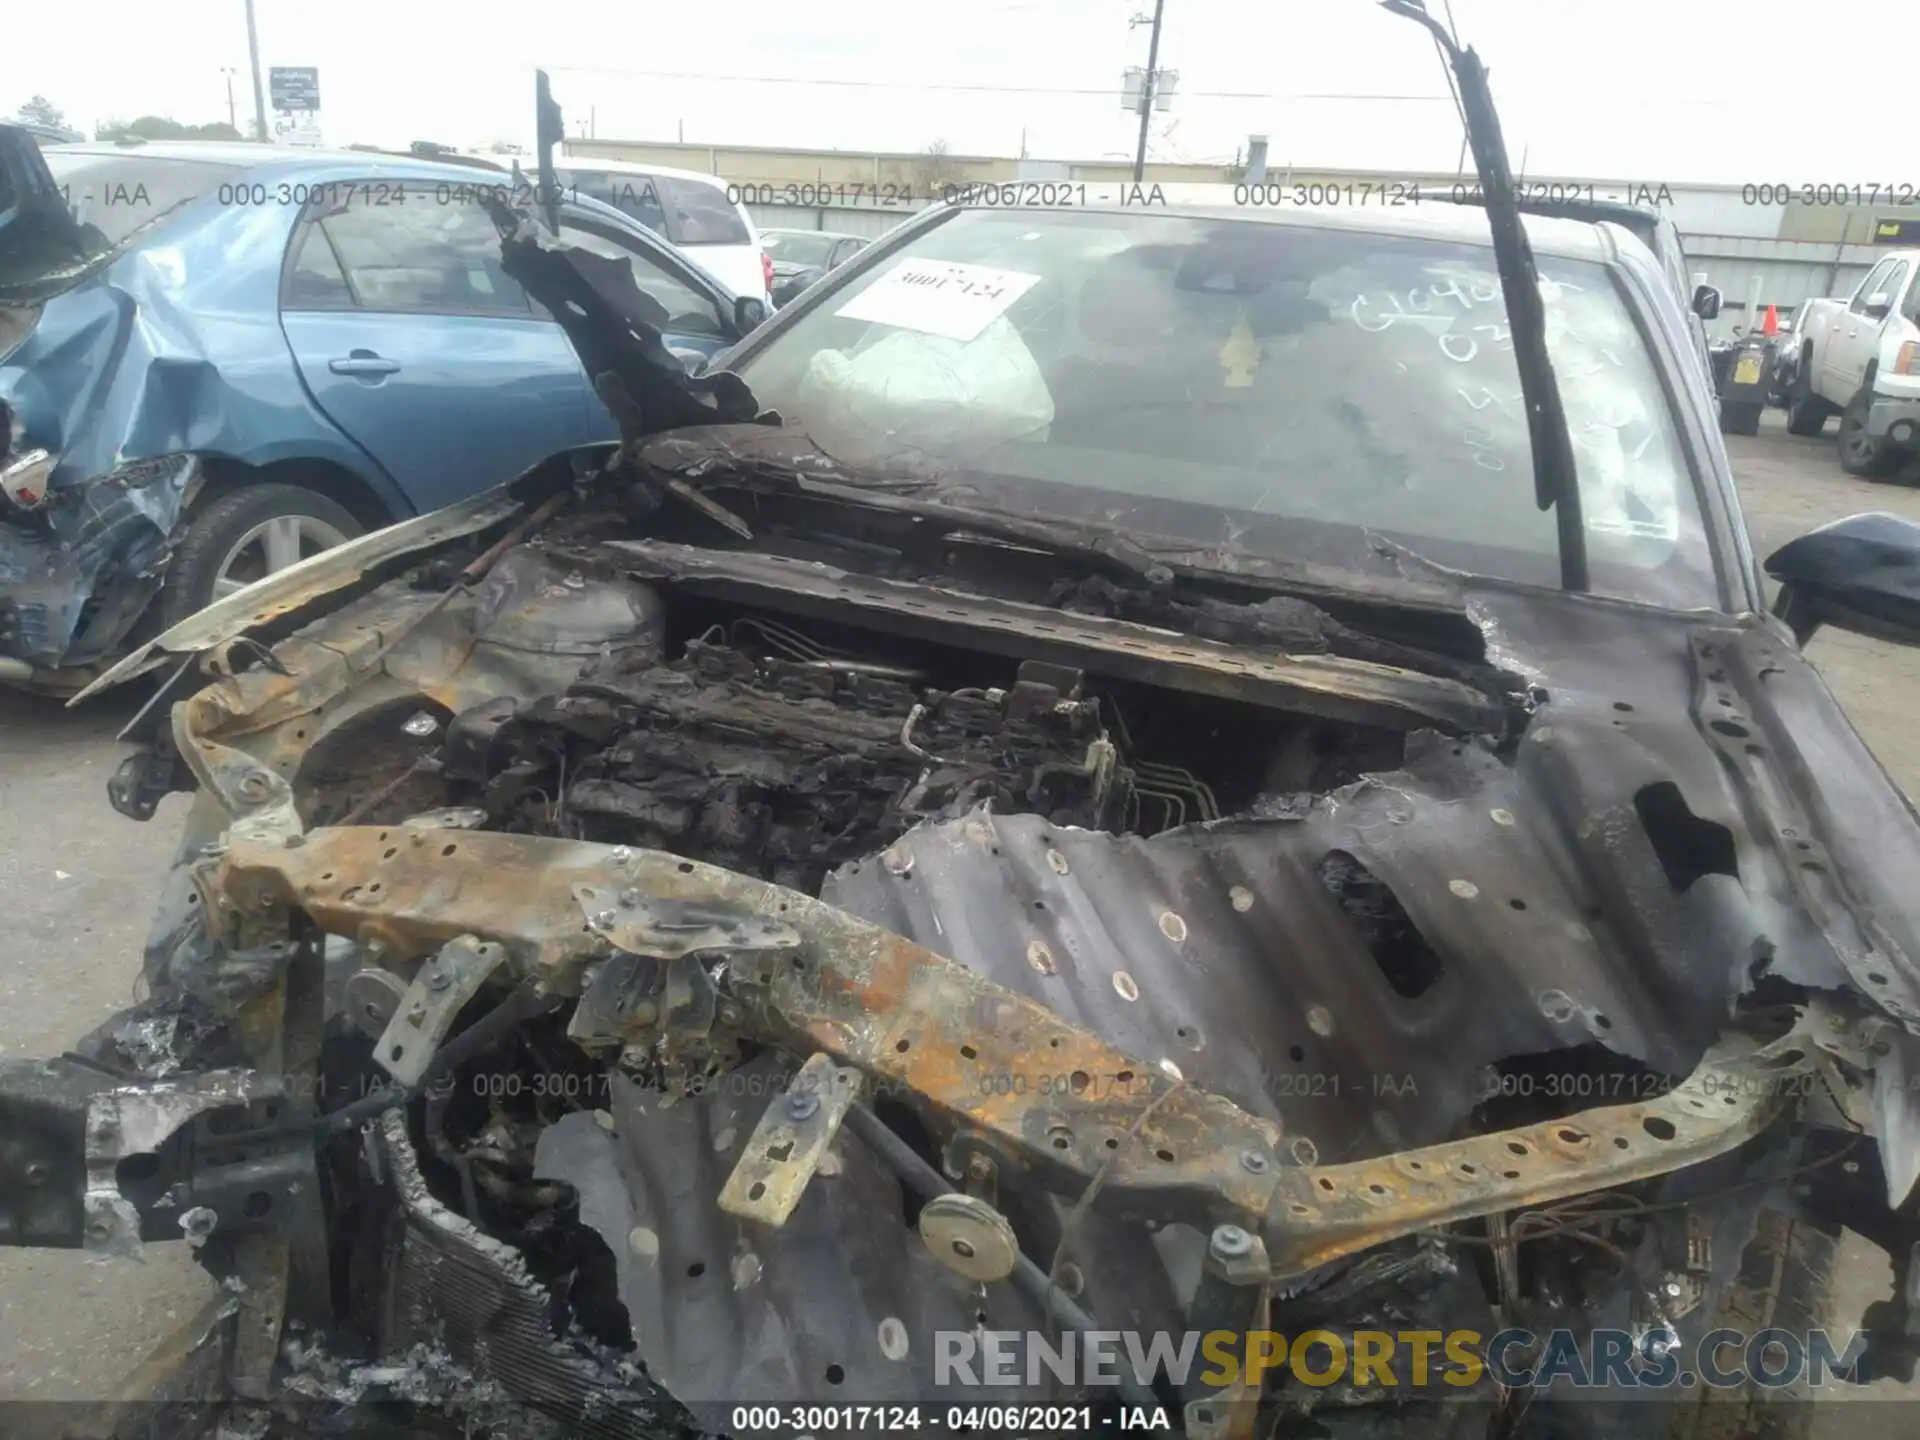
<point x="999" y="1067"/>
<point x="323" y="662"/>
<point x="920" y="1025"/>
<point x="1059" y="1098"/>
<point x="905" y="1015"/>
<point x="313" y="579"/>
<point x="1863" y="941"/>
<point x="440" y="988"/>
<point x="137" y="1120"/>
<point x="1321" y="1214"/>
<point x="1326" y="685"/>
<point x="789" y="1143"/>
<point x="412" y="891"/>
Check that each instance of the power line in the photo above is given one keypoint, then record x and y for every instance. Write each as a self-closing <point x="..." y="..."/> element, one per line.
<point x="1708" y="102"/>
<point x="971" y="89"/>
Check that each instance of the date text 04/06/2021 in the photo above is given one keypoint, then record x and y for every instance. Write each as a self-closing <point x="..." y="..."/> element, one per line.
<point x="996" y="1421"/>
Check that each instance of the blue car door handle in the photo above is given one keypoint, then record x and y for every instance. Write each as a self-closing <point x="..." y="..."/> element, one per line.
<point x="365" y="363"/>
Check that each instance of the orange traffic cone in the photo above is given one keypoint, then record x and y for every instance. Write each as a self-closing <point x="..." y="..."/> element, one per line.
<point x="1771" y="325"/>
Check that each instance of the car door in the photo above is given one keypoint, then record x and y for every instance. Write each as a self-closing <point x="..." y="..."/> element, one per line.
<point x="415" y="342"/>
<point x="699" y="316"/>
<point x="1854" y="335"/>
<point x="1889" y="323"/>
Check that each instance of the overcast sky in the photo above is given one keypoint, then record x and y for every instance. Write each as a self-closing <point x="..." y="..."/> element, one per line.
<point x="1638" y="90"/>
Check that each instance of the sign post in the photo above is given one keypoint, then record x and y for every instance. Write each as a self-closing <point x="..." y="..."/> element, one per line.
<point x="295" y="90"/>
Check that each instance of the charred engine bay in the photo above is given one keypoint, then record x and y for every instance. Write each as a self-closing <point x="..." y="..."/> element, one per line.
<point x="782" y="744"/>
<point x="851" y="760"/>
<point x="782" y="751"/>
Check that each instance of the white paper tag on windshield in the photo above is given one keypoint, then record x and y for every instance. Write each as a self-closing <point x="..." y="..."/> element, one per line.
<point x="939" y="297"/>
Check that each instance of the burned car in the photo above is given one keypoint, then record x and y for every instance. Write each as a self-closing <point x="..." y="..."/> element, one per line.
<point x="1123" y="769"/>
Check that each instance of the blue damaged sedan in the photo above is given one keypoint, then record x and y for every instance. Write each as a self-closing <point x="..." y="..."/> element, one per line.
<point x="219" y="359"/>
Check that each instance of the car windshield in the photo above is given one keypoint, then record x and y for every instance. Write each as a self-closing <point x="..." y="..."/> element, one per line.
<point x="687" y="212"/>
<point x="796" y="248"/>
<point x="1295" y="391"/>
<point x="635" y="196"/>
<point x="117" y="192"/>
<point x="701" y="214"/>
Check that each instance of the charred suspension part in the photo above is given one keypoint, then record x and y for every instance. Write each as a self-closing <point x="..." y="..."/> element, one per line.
<point x="927" y="1029"/>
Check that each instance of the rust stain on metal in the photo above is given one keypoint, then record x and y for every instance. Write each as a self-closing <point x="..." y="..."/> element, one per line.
<point x="997" y="1066"/>
<point x="1321" y="1214"/>
<point x="975" y="1053"/>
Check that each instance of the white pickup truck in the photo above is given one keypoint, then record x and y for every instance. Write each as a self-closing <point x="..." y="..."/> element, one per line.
<point x="1860" y="359"/>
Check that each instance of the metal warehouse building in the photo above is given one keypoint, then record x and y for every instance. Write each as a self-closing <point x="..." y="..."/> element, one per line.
<point x="1761" y="244"/>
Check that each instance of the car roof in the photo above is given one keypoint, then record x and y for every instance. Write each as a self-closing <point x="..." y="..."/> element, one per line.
<point x="55" y="134"/>
<point x="823" y="234"/>
<point x="246" y="153"/>
<point x="1648" y="223"/>
<point x="268" y="162"/>
<point x="1460" y="224"/>
<point x="250" y="156"/>
<point x="634" y="167"/>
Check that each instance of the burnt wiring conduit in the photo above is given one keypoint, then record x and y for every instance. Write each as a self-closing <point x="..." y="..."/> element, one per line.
<point x="928" y="1183"/>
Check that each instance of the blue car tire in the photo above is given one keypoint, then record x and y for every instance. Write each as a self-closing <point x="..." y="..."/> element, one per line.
<point x="207" y="554"/>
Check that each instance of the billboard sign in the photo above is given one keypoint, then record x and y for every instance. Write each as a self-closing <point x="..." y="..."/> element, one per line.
<point x="294" y="88"/>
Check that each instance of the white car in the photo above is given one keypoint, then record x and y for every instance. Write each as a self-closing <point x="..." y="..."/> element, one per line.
<point x="1860" y="358"/>
<point x="692" y="211"/>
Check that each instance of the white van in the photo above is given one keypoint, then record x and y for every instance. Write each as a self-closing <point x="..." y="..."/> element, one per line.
<point x="692" y="211"/>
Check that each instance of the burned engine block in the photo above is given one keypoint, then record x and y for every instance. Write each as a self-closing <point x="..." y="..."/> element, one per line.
<point x="780" y="768"/>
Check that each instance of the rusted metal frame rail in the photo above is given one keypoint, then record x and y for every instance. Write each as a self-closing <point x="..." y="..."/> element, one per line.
<point x="999" y="1070"/>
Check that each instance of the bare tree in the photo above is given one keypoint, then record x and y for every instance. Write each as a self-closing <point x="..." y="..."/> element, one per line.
<point x="932" y="169"/>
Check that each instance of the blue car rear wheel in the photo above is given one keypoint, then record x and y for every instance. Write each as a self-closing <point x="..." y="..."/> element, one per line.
<point x="244" y="535"/>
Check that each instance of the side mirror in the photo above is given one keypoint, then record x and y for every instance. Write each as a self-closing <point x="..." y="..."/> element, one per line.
<point x="1861" y="574"/>
<point x="1878" y="305"/>
<point x="748" y="312"/>
<point x="1706" y="301"/>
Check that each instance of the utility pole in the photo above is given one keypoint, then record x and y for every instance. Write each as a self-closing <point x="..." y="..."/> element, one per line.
<point x="259" y="90"/>
<point x="233" y="115"/>
<point x="1147" y="84"/>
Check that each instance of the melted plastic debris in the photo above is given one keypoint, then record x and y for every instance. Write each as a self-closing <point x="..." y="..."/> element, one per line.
<point x="251" y="1422"/>
<point x="1500" y="654"/>
<point x="197" y="1224"/>
<point x="1289" y="806"/>
<point x="425" y="1375"/>
<point x="150" y="1045"/>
